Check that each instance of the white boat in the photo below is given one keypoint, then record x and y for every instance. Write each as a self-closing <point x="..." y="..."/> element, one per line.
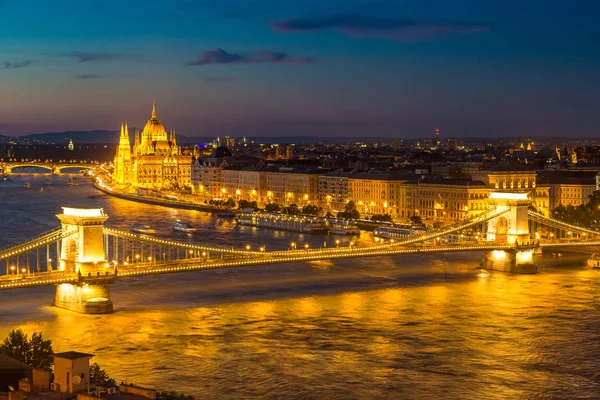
<point x="143" y="228"/>
<point x="397" y="232"/>
<point x="594" y="261"/>
<point x="341" y="227"/>
<point x="183" y="227"/>
<point x="283" y="222"/>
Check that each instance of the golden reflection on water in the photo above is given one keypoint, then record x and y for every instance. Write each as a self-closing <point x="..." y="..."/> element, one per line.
<point x="476" y="338"/>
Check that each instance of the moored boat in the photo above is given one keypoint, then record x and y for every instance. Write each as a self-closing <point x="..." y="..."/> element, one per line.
<point x="41" y="189"/>
<point x="143" y="228"/>
<point x="179" y="226"/>
<point x="27" y="185"/>
<point x="398" y="232"/>
<point x="342" y="227"/>
<point x="594" y="261"/>
<point x="48" y="182"/>
<point x="283" y="222"/>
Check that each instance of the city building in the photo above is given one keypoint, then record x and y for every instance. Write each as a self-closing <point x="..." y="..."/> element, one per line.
<point x="568" y="188"/>
<point x="334" y="189"/>
<point x="518" y="178"/>
<point x="446" y="200"/>
<point x="381" y="193"/>
<point x="18" y="375"/>
<point x="71" y="371"/>
<point x="154" y="161"/>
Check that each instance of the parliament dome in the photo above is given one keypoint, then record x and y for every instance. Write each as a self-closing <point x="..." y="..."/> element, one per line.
<point x="154" y="130"/>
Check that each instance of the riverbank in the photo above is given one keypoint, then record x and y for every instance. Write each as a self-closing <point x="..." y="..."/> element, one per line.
<point x="184" y="205"/>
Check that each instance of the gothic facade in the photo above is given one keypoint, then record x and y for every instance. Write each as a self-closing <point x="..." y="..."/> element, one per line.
<point x="153" y="162"/>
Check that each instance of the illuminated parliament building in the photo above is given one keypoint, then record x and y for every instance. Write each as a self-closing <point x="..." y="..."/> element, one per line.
<point x="153" y="162"/>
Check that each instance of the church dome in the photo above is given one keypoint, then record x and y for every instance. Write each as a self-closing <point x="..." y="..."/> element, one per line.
<point x="154" y="130"/>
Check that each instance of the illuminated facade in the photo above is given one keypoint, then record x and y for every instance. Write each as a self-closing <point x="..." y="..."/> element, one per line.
<point x="154" y="162"/>
<point x="447" y="200"/>
<point x="380" y="193"/>
<point x="513" y="179"/>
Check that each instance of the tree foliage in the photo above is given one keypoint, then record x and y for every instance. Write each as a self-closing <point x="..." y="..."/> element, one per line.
<point x="36" y="351"/>
<point x="100" y="376"/>
<point x="230" y="203"/>
<point x="587" y="215"/>
<point x="382" y="218"/>
<point x="247" y="204"/>
<point x="311" y="209"/>
<point x="292" y="209"/>
<point x="272" y="207"/>
<point x="416" y="220"/>
<point x="350" y="211"/>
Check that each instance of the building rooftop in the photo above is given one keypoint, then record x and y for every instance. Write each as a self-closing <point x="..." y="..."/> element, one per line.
<point x="72" y="355"/>
<point x="7" y="362"/>
<point x="512" y="168"/>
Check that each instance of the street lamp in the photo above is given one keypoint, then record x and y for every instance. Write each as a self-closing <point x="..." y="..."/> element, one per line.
<point x="12" y="269"/>
<point x="137" y="258"/>
<point x="351" y="244"/>
<point x="306" y="246"/>
<point x="247" y="247"/>
<point x="337" y="243"/>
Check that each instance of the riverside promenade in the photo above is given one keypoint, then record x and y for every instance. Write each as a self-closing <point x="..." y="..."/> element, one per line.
<point x="159" y="201"/>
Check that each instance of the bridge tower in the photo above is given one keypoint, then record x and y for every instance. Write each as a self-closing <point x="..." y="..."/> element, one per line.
<point x="83" y="254"/>
<point x="510" y="228"/>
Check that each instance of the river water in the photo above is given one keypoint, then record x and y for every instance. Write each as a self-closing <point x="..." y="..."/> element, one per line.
<point x="416" y="327"/>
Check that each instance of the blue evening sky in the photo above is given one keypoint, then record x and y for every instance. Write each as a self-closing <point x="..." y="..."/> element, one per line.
<point x="281" y="68"/>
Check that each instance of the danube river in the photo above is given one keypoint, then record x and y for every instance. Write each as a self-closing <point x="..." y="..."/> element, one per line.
<point x="415" y="327"/>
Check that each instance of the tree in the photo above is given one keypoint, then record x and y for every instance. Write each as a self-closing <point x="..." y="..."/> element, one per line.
<point x="329" y="215"/>
<point x="36" y="352"/>
<point x="292" y="209"/>
<point x="350" y="211"/>
<point x="382" y="218"/>
<point x="311" y="209"/>
<point x="416" y="220"/>
<point x="243" y="204"/>
<point x="230" y="203"/>
<point x="272" y="207"/>
<point x="100" y="376"/>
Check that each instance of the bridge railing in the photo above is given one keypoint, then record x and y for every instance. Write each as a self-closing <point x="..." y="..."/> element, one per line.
<point x="555" y="223"/>
<point x="172" y="243"/>
<point x="38" y="241"/>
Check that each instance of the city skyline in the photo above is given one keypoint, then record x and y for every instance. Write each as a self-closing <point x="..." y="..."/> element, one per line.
<point x="270" y="68"/>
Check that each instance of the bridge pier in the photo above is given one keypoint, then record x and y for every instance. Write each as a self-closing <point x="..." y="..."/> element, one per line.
<point x="516" y="261"/>
<point x="83" y="253"/>
<point x="84" y="298"/>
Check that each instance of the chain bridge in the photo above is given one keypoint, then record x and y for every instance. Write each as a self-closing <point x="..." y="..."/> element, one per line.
<point x="83" y="257"/>
<point x="54" y="168"/>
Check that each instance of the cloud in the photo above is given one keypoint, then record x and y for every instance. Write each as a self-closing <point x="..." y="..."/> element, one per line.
<point x="87" y="56"/>
<point x="219" y="79"/>
<point x="90" y="76"/>
<point x="220" y="56"/>
<point x="378" y="27"/>
<point x="15" y="65"/>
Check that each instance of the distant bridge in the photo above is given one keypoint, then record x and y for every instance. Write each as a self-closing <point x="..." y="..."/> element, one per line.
<point x="54" y="168"/>
<point x="83" y="257"/>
